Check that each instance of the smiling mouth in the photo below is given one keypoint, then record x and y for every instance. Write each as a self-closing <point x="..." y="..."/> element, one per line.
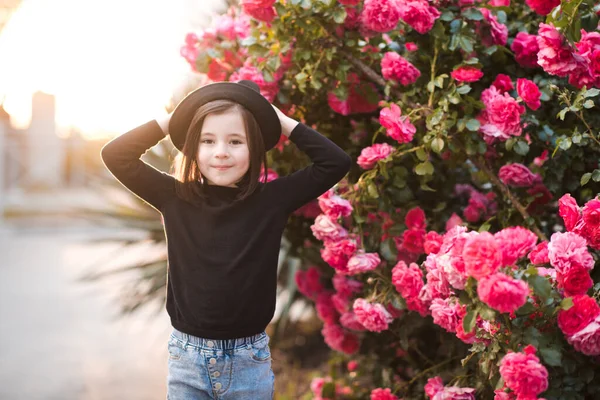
<point x="221" y="168"/>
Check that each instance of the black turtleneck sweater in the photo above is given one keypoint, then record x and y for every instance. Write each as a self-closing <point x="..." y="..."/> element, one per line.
<point x="222" y="255"/>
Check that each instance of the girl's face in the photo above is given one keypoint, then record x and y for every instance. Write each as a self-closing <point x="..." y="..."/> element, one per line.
<point x="223" y="143"/>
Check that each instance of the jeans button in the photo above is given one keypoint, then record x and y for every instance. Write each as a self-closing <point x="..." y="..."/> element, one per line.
<point x="218" y="385"/>
<point x="213" y="361"/>
<point x="216" y="374"/>
<point x="210" y="343"/>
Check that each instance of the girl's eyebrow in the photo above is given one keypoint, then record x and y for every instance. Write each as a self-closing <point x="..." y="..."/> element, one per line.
<point x="230" y="134"/>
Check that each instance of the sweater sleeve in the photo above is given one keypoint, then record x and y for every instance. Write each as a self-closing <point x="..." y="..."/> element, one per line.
<point x="121" y="156"/>
<point x="330" y="165"/>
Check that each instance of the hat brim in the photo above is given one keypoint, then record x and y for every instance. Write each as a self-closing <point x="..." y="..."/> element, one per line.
<point x="259" y="106"/>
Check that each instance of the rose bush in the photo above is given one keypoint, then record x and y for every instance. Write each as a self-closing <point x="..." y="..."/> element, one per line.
<point x="461" y="247"/>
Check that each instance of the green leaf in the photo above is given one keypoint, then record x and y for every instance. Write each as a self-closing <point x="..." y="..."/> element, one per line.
<point x="473" y="125"/>
<point x="437" y="145"/>
<point x="473" y="14"/>
<point x="469" y="321"/>
<point x="447" y="16"/>
<point x="422" y="155"/>
<point x="521" y="147"/>
<point x="487" y="313"/>
<point x="437" y="116"/>
<point x="562" y="113"/>
<point x="588" y="104"/>
<point x="585" y="178"/>
<point x="464" y="89"/>
<point x="566" y="303"/>
<point x="339" y="15"/>
<point x="541" y="286"/>
<point x="551" y="356"/>
<point x="424" y="168"/>
<point x="372" y="190"/>
<point x="591" y="93"/>
<point x="596" y="175"/>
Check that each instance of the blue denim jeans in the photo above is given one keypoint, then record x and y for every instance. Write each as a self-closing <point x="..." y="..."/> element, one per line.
<point x="234" y="369"/>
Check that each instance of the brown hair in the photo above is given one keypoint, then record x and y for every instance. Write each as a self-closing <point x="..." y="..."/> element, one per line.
<point x="186" y="171"/>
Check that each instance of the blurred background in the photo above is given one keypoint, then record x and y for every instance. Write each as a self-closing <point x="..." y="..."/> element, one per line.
<point x="82" y="260"/>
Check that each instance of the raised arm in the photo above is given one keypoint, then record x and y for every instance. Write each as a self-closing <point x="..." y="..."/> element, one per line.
<point x="330" y="165"/>
<point x="121" y="156"/>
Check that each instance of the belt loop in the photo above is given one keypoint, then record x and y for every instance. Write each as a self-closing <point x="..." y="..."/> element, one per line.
<point x="187" y="340"/>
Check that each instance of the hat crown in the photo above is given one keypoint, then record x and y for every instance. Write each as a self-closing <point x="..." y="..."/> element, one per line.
<point x="252" y="85"/>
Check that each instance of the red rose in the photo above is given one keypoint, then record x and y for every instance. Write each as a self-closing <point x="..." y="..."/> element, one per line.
<point x="584" y="310"/>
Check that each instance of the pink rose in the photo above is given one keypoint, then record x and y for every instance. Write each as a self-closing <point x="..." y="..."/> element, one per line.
<point x="413" y="240"/>
<point x="356" y="102"/>
<point x="265" y="14"/>
<point x="491" y="31"/>
<point x="445" y="313"/>
<point x="529" y="92"/>
<point x="346" y="286"/>
<point x="576" y="281"/>
<point x="466" y="73"/>
<point x="503" y="83"/>
<point x="587" y="340"/>
<point x="585" y="309"/>
<point x="419" y="15"/>
<point x="515" y="242"/>
<point x="415" y="218"/>
<point x="555" y="56"/>
<point x="539" y="254"/>
<point x="523" y="373"/>
<point x="325" y="309"/>
<point x="569" y="211"/>
<point x="481" y="255"/>
<point x="334" y="206"/>
<point x="453" y="221"/>
<point x="568" y="249"/>
<point x="380" y="15"/>
<point x="408" y="281"/>
<point x="394" y="66"/>
<point x="370" y="155"/>
<point x="363" y="262"/>
<point x="516" y="174"/>
<point x="349" y="2"/>
<point x="382" y="394"/>
<point x="433" y="242"/>
<point x="325" y="228"/>
<point x="525" y="47"/>
<point x="398" y="127"/>
<point x="410" y="46"/>
<point x="348" y="320"/>
<point x="502" y="293"/>
<point x="309" y="282"/>
<point x="542" y="7"/>
<point x="372" y="316"/>
<point x="501" y="117"/>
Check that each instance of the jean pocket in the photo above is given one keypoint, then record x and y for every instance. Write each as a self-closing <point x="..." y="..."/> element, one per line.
<point x="260" y="351"/>
<point x="174" y="350"/>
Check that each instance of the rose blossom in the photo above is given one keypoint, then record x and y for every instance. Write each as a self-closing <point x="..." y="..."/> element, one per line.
<point x="555" y="56"/>
<point x="348" y="320"/>
<point x="380" y="15"/>
<point x="539" y="254"/>
<point x="517" y="174"/>
<point x="542" y="7"/>
<point x="382" y="394"/>
<point x="309" y="282"/>
<point x="408" y="281"/>
<point x="491" y="31"/>
<point x="419" y="15"/>
<point x="415" y="218"/>
<point x="325" y="308"/>
<point x="569" y="211"/>
<point x="363" y="262"/>
<point x="435" y="390"/>
<point x="410" y="46"/>
<point x="325" y="228"/>
<point x="502" y="292"/>
<point x="529" y="92"/>
<point x="467" y="73"/>
<point x="356" y="102"/>
<point x="515" y="242"/>
<point x="525" y="47"/>
<point x="523" y="372"/>
<point x="445" y="313"/>
<point x="587" y="340"/>
<point x="398" y="127"/>
<point x="503" y="83"/>
<point x="394" y="66"/>
<point x="501" y="117"/>
<point x="576" y="281"/>
<point x="568" y="249"/>
<point x="433" y="242"/>
<point x="346" y="286"/>
<point x="370" y="155"/>
<point x="334" y="206"/>
<point x="372" y="316"/>
<point x="258" y="11"/>
<point x="481" y="255"/>
<point x="584" y="310"/>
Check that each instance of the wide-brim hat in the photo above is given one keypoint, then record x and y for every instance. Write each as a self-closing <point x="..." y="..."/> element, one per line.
<point x="244" y="92"/>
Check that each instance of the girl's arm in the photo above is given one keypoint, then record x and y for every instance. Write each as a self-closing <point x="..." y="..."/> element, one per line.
<point x="122" y="158"/>
<point x="330" y="165"/>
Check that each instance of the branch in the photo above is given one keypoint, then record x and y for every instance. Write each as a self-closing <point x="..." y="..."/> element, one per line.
<point x="506" y="192"/>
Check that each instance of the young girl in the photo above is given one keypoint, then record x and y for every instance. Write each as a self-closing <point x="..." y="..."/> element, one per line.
<point x="223" y="226"/>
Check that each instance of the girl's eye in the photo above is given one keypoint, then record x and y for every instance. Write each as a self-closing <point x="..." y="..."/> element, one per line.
<point x="209" y="140"/>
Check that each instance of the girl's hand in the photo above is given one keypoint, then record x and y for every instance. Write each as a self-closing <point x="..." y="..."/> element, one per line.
<point x="287" y="124"/>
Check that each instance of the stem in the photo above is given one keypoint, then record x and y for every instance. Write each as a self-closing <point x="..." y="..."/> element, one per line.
<point x="426" y="371"/>
<point x="506" y="192"/>
<point x="435" y="55"/>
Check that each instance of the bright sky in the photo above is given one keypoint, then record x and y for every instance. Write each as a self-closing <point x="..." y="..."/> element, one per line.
<point x="112" y="64"/>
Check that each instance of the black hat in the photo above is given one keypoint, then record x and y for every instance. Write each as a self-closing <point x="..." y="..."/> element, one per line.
<point x="244" y="92"/>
